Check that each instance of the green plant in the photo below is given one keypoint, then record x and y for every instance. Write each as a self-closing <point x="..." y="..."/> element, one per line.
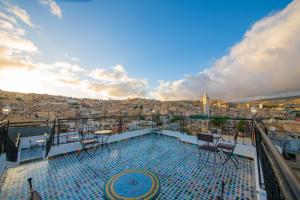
<point x="175" y="118"/>
<point x="141" y="117"/>
<point x="240" y="126"/>
<point x="219" y="121"/>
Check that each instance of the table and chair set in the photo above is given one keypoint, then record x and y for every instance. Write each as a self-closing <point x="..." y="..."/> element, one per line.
<point x="211" y="145"/>
<point x="88" y="143"/>
<point x="39" y="143"/>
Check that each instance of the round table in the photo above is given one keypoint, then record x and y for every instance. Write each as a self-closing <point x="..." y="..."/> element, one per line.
<point x="135" y="184"/>
<point x="42" y="142"/>
<point x="103" y="133"/>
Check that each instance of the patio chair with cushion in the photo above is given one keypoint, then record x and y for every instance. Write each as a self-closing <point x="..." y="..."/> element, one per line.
<point x="228" y="150"/>
<point x="209" y="145"/>
<point x="86" y="144"/>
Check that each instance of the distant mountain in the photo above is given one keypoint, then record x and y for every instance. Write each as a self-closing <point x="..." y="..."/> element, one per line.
<point x="281" y="98"/>
<point x="278" y="100"/>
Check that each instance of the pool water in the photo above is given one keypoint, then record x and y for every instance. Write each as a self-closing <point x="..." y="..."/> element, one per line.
<point x="182" y="173"/>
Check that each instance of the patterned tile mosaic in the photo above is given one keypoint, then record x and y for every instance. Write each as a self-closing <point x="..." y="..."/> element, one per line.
<point x="182" y="174"/>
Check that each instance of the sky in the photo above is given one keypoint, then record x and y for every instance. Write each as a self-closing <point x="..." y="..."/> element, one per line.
<point x="158" y="49"/>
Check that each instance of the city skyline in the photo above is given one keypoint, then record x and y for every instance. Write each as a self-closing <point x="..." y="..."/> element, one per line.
<point x="117" y="54"/>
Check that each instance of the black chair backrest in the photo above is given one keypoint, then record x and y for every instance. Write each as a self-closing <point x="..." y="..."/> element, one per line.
<point x="205" y="137"/>
<point x="235" y="136"/>
<point x="81" y="134"/>
<point x="214" y="131"/>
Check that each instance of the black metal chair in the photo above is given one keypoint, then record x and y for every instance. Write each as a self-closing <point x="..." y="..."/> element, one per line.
<point x="228" y="150"/>
<point x="209" y="146"/>
<point x="86" y="144"/>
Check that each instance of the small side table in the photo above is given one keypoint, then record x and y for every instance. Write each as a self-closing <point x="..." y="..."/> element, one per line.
<point x="103" y="133"/>
<point x="41" y="143"/>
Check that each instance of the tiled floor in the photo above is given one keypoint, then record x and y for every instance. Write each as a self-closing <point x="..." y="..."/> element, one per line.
<point x="182" y="174"/>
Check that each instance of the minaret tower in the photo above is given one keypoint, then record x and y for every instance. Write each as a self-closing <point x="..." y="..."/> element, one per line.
<point x="205" y="101"/>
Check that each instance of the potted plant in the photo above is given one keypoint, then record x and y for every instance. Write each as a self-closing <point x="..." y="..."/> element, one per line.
<point x="219" y="122"/>
<point x="240" y="127"/>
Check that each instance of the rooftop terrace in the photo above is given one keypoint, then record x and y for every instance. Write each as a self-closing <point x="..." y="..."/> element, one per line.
<point x="153" y="144"/>
<point x="181" y="172"/>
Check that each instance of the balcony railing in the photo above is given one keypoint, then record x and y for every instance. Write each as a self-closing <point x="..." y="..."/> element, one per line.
<point x="274" y="174"/>
<point x="50" y="139"/>
<point x="67" y="129"/>
<point x="7" y="144"/>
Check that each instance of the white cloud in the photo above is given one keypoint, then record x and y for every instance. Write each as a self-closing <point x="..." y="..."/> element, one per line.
<point x="120" y="89"/>
<point x="18" y="12"/>
<point x="73" y="58"/>
<point x="18" y="72"/>
<point x="8" y="18"/>
<point x="117" y="73"/>
<point x="116" y="83"/>
<point x="14" y="47"/>
<point x="53" y="6"/>
<point x="265" y="62"/>
<point x="17" y="43"/>
<point x="62" y="78"/>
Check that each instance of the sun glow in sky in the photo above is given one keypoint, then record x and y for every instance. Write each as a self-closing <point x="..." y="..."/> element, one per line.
<point x="161" y="49"/>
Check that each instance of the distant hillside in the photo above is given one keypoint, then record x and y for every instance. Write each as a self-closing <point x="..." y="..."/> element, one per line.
<point x="278" y="100"/>
<point x="281" y="98"/>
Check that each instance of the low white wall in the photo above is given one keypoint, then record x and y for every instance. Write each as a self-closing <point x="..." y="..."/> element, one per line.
<point x="25" y="141"/>
<point x="240" y="149"/>
<point x="75" y="146"/>
<point x="261" y="193"/>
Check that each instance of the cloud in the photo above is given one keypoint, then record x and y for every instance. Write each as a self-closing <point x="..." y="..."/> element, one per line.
<point x="61" y="72"/>
<point x="115" y="82"/>
<point x="109" y="86"/>
<point x="18" y="12"/>
<point x="116" y="73"/>
<point x="14" y="41"/>
<point x="75" y="59"/>
<point x="8" y="18"/>
<point x="265" y="62"/>
<point x="114" y="89"/>
<point x="14" y="47"/>
<point x="53" y="6"/>
<point x="19" y="72"/>
<point x="62" y="78"/>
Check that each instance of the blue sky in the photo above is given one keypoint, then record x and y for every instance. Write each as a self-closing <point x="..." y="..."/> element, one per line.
<point x="157" y="40"/>
<point x="153" y="40"/>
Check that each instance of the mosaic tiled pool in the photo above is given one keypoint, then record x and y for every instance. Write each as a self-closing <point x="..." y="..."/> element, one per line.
<point x="182" y="175"/>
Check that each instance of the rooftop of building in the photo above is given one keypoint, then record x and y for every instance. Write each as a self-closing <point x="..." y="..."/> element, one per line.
<point x="154" y="144"/>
